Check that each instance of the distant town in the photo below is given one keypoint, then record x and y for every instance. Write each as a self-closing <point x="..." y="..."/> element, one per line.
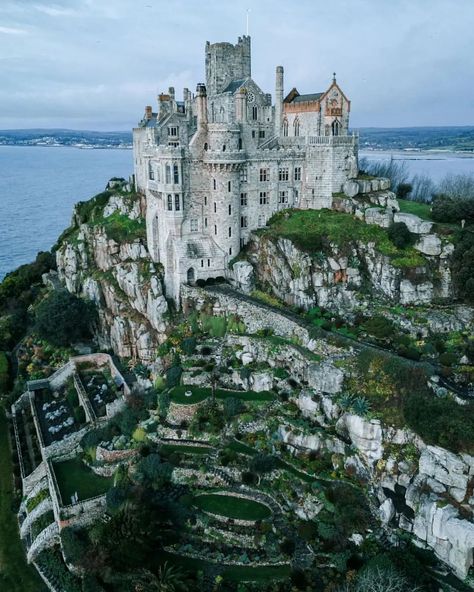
<point x="453" y="139"/>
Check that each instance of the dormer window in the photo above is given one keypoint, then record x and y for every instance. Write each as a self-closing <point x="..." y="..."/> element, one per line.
<point x="173" y="131"/>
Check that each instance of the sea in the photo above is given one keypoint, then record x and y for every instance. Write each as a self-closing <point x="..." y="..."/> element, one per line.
<point x="40" y="185"/>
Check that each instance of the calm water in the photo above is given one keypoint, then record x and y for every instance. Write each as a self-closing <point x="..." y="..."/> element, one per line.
<point x="38" y="188"/>
<point x="434" y="165"/>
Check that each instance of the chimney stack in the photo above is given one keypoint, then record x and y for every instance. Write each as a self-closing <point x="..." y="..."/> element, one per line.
<point x="148" y="112"/>
<point x="201" y="100"/>
<point x="278" y="99"/>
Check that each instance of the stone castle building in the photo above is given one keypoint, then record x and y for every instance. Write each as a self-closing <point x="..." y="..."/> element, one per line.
<point x="219" y="163"/>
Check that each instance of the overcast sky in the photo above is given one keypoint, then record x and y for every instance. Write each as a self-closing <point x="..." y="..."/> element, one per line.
<point x="95" y="64"/>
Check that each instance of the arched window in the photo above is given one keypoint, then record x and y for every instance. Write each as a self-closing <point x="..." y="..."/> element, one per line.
<point x="222" y="114"/>
<point x="255" y="113"/>
<point x="335" y="127"/>
<point x="175" y="174"/>
<point x="296" y="126"/>
<point x="285" y="127"/>
<point x="168" y="174"/>
<point x="223" y="148"/>
<point x="326" y="130"/>
<point x="205" y="146"/>
<point x="191" y="276"/>
<point x="170" y="202"/>
<point x="214" y="183"/>
<point x="151" y="172"/>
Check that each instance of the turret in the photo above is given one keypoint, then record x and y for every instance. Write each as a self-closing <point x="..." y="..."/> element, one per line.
<point x="201" y="103"/>
<point x="278" y="99"/>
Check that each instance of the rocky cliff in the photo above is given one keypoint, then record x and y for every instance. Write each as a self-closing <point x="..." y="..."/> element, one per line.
<point x="103" y="256"/>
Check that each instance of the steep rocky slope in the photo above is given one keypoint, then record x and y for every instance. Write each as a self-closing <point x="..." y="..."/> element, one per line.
<point x="103" y="256"/>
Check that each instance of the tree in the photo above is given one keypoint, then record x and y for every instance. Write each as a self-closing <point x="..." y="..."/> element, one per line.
<point x="462" y="266"/>
<point x="404" y="190"/>
<point x="263" y="463"/>
<point x="232" y="407"/>
<point x="399" y="234"/>
<point x="63" y="318"/>
<point x="383" y="580"/>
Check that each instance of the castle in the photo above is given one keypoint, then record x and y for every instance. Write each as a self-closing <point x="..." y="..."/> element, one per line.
<point x="216" y="165"/>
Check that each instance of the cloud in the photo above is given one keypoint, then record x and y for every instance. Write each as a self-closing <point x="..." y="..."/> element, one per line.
<point x="12" y="31"/>
<point x="55" y="10"/>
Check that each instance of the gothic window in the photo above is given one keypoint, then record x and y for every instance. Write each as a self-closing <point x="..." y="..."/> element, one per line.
<point x="283" y="174"/>
<point x="202" y="262"/>
<point x="243" y="222"/>
<point x="297" y="173"/>
<point x="229" y="185"/>
<point x="177" y="202"/>
<point x="230" y="231"/>
<point x="214" y="183"/>
<point x="230" y="209"/>
<point x="223" y="148"/>
<point x="215" y="229"/>
<point x="175" y="174"/>
<point x="209" y="261"/>
<point x="243" y="199"/>
<point x="282" y="197"/>
<point x="326" y="130"/>
<point x="205" y="222"/>
<point x="215" y="207"/>
<point x="285" y="127"/>
<point x="264" y="175"/>
<point x="191" y="275"/>
<point x="297" y="196"/>
<point x="170" y="202"/>
<point x="168" y="173"/>
<point x="230" y="250"/>
<point x="194" y="225"/>
<point x="263" y="198"/>
<point x="243" y="175"/>
<point x="255" y="113"/>
<point x="335" y="127"/>
<point x="205" y="146"/>
<point x="151" y="172"/>
<point x="205" y="200"/>
<point x="173" y="131"/>
<point x="296" y="126"/>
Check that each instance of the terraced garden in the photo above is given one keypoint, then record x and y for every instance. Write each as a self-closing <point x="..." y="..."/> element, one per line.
<point x="73" y="476"/>
<point x="231" y="506"/>
<point x="190" y="395"/>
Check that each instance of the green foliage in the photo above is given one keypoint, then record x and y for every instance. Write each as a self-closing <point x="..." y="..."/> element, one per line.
<point x="37" y="499"/>
<point x="399" y="234"/>
<point x="441" y="421"/>
<point x="263" y="463"/>
<point x="73" y="544"/>
<point x="173" y="376"/>
<point x="115" y="498"/>
<point x="51" y="562"/>
<point x="379" y="326"/>
<point x="188" y="345"/>
<point x="462" y="266"/>
<point x="448" y="359"/>
<point x="63" y="318"/>
<point x="120" y="228"/>
<point x="4" y="374"/>
<point x="152" y="472"/>
<point x="452" y="209"/>
<point x="422" y="210"/>
<point x="404" y="190"/>
<point x="215" y="326"/>
<point x="233" y="407"/>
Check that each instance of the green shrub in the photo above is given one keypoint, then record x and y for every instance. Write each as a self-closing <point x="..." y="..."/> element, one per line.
<point x="63" y="318"/>
<point x="462" y="266"/>
<point x="263" y="463"/>
<point x="399" y="234"/>
<point x="173" y="376"/>
<point x="379" y="327"/>
<point x="4" y="374"/>
<point x="188" y="345"/>
<point x="448" y="359"/>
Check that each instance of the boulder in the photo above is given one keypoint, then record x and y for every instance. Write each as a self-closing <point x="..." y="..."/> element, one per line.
<point x="386" y="511"/>
<point x="414" y="223"/>
<point x="243" y="276"/>
<point x="429" y="244"/>
<point x="378" y="216"/>
<point x="364" y="434"/>
<point x="324" y="377"/>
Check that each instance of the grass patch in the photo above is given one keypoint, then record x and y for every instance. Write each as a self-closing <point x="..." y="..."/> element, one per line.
<point x="242" y="448"/>
<point x="421" y="210"/>
<point x="314" y="231"/>
<point x="121" y="228"/>
<point x="4" y="376"/>
<point x="232" y="507"/>
<point x="264" y="573"/>
<point x="74" y="476"/>
<point x="15" y="574"/>
<point x="183" y="449"/>
<point x="177" y="395"/>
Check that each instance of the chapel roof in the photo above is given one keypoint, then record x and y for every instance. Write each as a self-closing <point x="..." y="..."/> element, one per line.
<point x="234" y="85"/>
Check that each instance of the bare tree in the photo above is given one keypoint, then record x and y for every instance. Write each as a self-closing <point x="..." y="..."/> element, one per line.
<point x="395" y="170"/>
<point x="382" y="580"/>
<point x="423" y="188"/>
<point x="457" y="186"/>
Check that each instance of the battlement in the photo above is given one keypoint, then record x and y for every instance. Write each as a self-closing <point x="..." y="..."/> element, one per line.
<point x="226" y="62"/>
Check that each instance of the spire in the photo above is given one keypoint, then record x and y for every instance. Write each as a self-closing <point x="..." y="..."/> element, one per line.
<point x="334" y="76"/>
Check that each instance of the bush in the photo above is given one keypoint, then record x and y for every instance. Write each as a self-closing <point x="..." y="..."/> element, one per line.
<point x="448" y="359"/>
<point x="188" y="345"/>
<point x="462" y="266"/>
<point x="263" y="463"/>
<point x="4" y="374"/>
<point x="232" y="407"/>
<point x="400" y="236"/>
<point x="249" y="478"/>
<point x="173" y="376"/>
<point x="63" y="318"/>
<point x="379" y="327"/>
<point x="404" y="190"/>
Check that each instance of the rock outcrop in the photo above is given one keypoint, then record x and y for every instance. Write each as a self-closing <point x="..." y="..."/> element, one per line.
<point x="119" y="277"/>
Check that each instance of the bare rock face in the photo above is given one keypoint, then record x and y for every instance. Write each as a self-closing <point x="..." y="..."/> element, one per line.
<point x="429" y="244"/>
<point x="243" y="276"/>
<point x="121" y="279"/>
<point x="365" y="435"/>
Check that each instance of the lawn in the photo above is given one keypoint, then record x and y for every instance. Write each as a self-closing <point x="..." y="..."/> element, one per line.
<point x="314" y="231"/>
<point x="413" y="207"/>
<point x="74" y="476"/>
<point x="186" y="449"/>
<point x="232" y="507"/>
<point x="177" y="395"/>
<point x="15" y="574"/>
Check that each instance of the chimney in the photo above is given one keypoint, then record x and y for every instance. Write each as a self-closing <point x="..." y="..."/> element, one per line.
<point x="171" y="92"/>
<point x="278" y="99"/>
<point x="148" y="112"/>
<point x="241" y="106"/>
<point x="201" y="101"/>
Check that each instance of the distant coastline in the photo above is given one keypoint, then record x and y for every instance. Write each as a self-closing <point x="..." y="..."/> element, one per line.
<point x="406" y="140"/>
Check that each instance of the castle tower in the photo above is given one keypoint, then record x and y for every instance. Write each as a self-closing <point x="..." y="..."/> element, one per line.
<point x="278" y="99"/>
<point x="226" y="62"/>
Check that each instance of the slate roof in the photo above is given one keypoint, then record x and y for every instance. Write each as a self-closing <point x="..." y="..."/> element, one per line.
<point x="234" y="85"/>
<point x="308" y="97"/>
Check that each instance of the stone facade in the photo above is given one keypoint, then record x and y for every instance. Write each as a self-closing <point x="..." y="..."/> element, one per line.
<point x="218" y="164"/>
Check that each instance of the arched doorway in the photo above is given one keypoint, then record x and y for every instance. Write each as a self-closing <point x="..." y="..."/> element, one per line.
<point x="335" y="127"/>
<point x="191" y="275"/>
